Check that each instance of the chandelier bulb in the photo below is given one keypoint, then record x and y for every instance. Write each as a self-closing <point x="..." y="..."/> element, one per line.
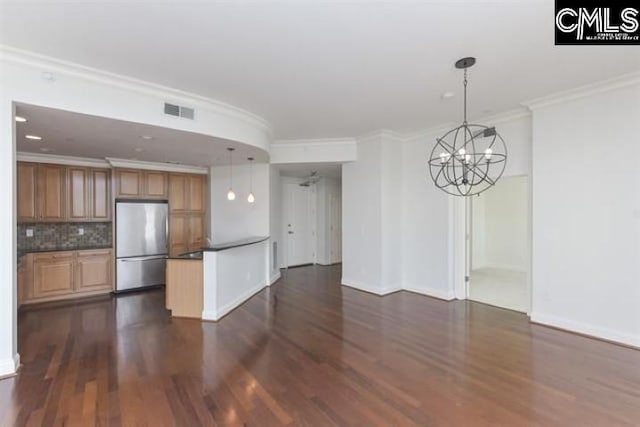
<point x="487" y="153"/>
<point x="231" y="195"/>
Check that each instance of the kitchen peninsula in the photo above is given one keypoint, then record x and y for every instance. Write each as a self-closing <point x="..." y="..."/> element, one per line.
<point x="209" y="283"/>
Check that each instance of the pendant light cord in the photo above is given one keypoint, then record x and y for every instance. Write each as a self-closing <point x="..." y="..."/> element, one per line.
<point x="465" y="97"/>
<point x="230" y="169"/>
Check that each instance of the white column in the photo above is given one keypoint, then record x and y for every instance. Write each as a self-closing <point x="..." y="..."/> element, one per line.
<point x="9" y="358"/>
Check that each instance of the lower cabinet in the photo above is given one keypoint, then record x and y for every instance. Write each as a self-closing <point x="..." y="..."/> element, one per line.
<point x="93" y="271"/>
<point x="52" y="276"/>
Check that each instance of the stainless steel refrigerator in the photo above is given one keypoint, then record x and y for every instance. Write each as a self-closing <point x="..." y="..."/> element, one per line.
<point x="141" y="244"/>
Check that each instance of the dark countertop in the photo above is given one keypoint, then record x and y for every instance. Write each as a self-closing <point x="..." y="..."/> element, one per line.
<point x="66" y="249"/>
<point x="195" y="256"/>
<point x="235" y="244"/>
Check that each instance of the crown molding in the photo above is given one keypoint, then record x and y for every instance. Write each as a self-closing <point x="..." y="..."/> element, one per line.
<point x="165" y="167"/>
<point x="32" y="59"/>
<point x="55" y="159"/>
<point x="322" y="142"/>
<point x="624" y="80"/>
<point x="505" y="116"/>
<point x="107" y="163"/>
<point x="429" y="132"/>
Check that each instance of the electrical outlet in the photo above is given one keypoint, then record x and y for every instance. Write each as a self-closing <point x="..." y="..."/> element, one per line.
<point x="81" y="231"/>
<point x="29" y="232"/>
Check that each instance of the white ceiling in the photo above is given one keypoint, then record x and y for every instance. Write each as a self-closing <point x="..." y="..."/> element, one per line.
<point x="72" y="134"/>
<point x="303" y="170"/>
<point x="323" y="68"/>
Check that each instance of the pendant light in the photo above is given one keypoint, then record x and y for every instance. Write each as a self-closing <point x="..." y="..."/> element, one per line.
<point x="230" y="194"/>
<point x="470" y="158"/>
<point x="251" y="198"/>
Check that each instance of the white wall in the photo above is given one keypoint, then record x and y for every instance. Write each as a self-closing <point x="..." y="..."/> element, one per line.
<point x="362" y="218"/>
<point x="325" y="188"/>
<point x="84" y="90"/>
<point x="371" y="214"/>
<point x="586" y="214"/>
<point x="314" y="151"/>
<point x="232" y="276"/>
<point x="425" y="223"/>
<point x="500" y="226"/>
<point x="237" y="219"/>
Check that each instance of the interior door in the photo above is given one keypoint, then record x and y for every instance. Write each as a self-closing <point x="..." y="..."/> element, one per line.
<point x="298" y="225"/>
<point x="336" y="228"/>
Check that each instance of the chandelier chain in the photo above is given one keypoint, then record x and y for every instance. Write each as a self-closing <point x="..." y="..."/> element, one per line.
<point x="465" y="97"/>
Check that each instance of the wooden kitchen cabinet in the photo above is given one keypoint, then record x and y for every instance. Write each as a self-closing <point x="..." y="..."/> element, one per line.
<point x="177" y="193"/>
<point x="155" y="184"/>
<point x="195" y="226"/>
<point x="49" y="276"/>
<point x="52" y="274"/>
<point x="178" y="234"/>
<point x="78" y="194"/>
<point x="93" y="271"/>
<point x="51" y="193"/>
<point x="63" y="193"/>
<point x="27" y="183"/>
<point x="100" y="195"/>
<point x="195" y="202"/>
<point x="129" y="183"/>
<point x="141" y="184"/>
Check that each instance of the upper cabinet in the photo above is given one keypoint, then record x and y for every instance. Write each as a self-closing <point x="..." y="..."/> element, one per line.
<point x="196" y="194"/>
<point x="129" y="183"/>
<point x="78" y="193"/>
<point x="186" y="193"/>
<point x="100" y="194"/>
<point x="140" y="184"/>
<point x="51" y="192"/>
<point x="59" y="193"/>
<point x="27" y="182"/>
<point x="155" y="184"/>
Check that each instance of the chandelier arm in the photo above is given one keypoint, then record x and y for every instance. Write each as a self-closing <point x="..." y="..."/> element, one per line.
<point x="455" y="138"/>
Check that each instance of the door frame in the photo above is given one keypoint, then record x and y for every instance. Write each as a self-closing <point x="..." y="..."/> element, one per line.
<point x="286" y="183"/>
<point x="460" y="234"/>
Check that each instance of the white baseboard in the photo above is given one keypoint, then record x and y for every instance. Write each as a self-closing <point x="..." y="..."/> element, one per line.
<point x="227" y="308"/>
<point x="447" y="295"/>
<point x="10" y="365"/>
<point x="275" y="277"/>
<point x="582" y="328"/>
<point x="361" y="286"/>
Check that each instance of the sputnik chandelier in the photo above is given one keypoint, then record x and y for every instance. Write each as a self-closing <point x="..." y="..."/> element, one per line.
<point x="469" y="159"/>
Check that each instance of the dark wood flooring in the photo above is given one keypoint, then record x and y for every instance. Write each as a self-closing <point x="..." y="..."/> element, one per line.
<point x="310" y="352"/>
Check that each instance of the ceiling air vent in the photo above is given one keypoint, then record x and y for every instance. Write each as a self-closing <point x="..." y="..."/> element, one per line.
<point x="179" y="111"/>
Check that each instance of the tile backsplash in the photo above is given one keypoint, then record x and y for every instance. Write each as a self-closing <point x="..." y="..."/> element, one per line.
<point x="54" y="236"/>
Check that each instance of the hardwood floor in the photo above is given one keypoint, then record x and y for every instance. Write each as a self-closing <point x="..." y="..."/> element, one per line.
<point x="310" y="352"/>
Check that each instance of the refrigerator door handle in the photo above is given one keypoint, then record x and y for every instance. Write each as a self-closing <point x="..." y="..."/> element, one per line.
<point x="142" y="258"/>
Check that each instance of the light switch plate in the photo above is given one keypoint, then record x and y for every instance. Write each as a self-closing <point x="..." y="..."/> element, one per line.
<point x="29" y="232"/>
<point x="81" y="231"/>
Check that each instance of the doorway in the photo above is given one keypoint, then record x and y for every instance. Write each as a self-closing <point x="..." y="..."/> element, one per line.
<point x="498" y="251"/>
<point x="298" y="230"/>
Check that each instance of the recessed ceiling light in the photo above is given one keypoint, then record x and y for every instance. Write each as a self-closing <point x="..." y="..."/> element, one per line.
<point x="20" y="119"/>
<point x="138" y="150"/>
<point x="45" y="149"/>
<point x="33" y="137"/>
<point x="147" y="137"/>
<point x="448" y="95"/>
